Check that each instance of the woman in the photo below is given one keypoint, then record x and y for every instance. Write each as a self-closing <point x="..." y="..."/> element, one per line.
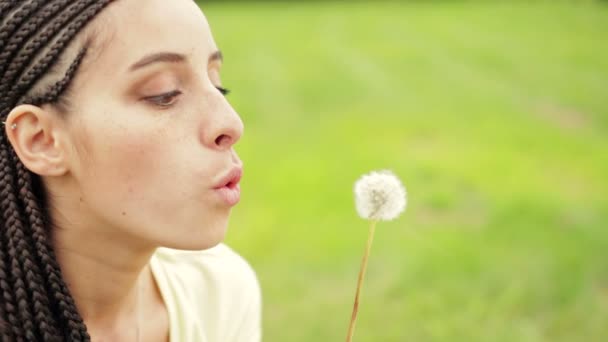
<point x="118" y="140"/>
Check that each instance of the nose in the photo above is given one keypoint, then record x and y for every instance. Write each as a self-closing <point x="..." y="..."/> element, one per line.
<point x="225" y="127"/>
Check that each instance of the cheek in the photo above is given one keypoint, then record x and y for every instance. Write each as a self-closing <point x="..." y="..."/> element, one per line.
<point x="122" y="166"/>
<point x="138" y="165"/>
<point x="147" y="175"/>
<point x="151" y="177"/>
<point x="135" y="165"/>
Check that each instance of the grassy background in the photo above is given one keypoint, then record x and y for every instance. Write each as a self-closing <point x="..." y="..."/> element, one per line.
<point x="496" y="118"/>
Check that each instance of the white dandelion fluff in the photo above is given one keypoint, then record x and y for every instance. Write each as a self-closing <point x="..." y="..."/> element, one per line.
<point x="380" y="196"/>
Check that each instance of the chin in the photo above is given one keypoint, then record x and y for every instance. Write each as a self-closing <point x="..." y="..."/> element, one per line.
<point x="199" y="239"/>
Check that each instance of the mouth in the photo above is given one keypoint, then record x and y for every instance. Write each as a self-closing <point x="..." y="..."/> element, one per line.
<point x="231" y="179"/>
<point x="232" y="184"/>
<point x="228" y="188"/>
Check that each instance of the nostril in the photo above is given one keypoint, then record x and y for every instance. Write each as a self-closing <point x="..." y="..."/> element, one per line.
<point x="223" y="140"/>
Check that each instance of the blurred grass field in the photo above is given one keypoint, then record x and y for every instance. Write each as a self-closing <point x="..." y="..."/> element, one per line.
<point x="495" y="115"/>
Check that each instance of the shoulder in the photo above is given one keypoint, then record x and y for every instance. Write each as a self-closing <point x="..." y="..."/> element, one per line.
<point x="219" y="268"/>
<point x="217" y="285"/>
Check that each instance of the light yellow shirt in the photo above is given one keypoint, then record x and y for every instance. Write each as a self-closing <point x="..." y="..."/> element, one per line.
<point x="211" y="295"/>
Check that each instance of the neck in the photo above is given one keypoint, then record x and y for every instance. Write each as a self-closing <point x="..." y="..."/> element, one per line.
<point x="103" y="276"/>
<point x="105" y="269"/>
<point x="107" y="272"/>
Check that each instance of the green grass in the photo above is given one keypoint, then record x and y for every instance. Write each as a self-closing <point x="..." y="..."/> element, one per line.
<point x="496" y="118"/>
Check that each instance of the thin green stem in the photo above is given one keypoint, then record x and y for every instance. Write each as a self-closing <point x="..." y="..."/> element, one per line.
<point x="370" y="239"/>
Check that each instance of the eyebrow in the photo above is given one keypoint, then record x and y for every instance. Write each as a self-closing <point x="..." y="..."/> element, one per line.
<point x="170" y="57"/>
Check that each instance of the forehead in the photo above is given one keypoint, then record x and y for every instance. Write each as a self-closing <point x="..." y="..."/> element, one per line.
<point x="135" y="28"/>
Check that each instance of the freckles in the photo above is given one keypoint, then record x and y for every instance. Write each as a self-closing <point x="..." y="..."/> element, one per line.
<point x="139" y="168"/>
<point x="136" y="157"/>
<point x="131" y="170"/>
<point x="137" y="160"/>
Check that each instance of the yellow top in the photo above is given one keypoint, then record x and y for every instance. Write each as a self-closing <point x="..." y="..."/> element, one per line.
<point x="211" y="295"/>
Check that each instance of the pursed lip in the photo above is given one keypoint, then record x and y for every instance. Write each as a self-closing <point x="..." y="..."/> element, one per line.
<point x="231" y="179"/>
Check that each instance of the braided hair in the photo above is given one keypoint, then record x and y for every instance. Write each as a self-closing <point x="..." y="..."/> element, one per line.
<point x="35" y="303"/>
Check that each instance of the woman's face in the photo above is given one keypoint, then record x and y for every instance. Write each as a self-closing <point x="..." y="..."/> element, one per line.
<point x="152" y="133"/>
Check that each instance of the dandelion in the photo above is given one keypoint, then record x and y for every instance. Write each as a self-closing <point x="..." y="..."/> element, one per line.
<point x="379" y="196"/>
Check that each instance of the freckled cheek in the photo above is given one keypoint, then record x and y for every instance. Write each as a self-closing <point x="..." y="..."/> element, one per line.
<point x="133" y="165"/>
<point x="158" y="179"/>
<point x="150" y="167"/>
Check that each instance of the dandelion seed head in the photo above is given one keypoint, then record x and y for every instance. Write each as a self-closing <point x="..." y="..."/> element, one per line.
<point x="380" y="195"/>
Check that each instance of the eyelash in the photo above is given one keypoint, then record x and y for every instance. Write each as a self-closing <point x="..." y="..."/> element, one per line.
<point x="224" y="91"/>
<point x="172" y="95"/>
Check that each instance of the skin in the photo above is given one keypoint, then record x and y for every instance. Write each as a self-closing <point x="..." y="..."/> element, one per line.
<point x="127" y="171"/>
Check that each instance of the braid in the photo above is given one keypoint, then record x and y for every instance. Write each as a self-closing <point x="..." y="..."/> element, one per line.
<point x="14" y="236"/>
<point x="52" y="95"/>
<point x="31" y="50"/>
<point x="35" y="302"/>
<point x="17" y="19"/>
<point x="28" y="29"/>
<point x="7" y="6"/>
<point x="65" y="307"/>
<point x="10" y="292"/>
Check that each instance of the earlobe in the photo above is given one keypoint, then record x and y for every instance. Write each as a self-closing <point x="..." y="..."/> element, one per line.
<point x="35" y="135"/>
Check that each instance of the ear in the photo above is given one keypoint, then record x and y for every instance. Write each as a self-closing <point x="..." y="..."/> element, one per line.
<point x="35" y="135"/>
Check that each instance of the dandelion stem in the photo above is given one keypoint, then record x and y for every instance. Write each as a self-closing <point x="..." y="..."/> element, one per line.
<point x="370" y="239"/>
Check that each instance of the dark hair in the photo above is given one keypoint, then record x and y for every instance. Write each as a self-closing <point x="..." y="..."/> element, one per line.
<point x="35" y="303"/>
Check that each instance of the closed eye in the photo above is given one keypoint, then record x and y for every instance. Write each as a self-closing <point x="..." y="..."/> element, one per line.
<point x="168" y="99"/>
<point x="164" y="100"/>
